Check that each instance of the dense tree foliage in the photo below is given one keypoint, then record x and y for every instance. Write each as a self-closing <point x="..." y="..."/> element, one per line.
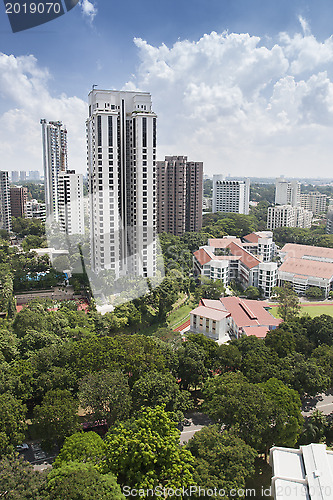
<point x="145" y="452"/>
<point x="18" y="480"/>
<point x="12" y="423"/>
<point x="81" y="447"/>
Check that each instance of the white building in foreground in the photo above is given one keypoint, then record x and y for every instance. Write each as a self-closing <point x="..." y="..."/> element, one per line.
<point x="304" y="473"/>
<point x="70" y="202"/>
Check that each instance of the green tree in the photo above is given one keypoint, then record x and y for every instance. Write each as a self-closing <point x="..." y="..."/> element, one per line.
<point x="81" y="481"/>
<point x="18" y="480"/>
<point x="191" y="365"/>
<point x="107" y="394"/>
<point x="12" y="423"/>
<point x="314" y="292"/>
<point x="252" y="292"/>
<point x="233" y="401"/>
<point x="145" y="453"/>
<point x="221" y="459"/>
<point x="155" y="388"/>
<point x="81" y="447"/>
<point x="288" y="302"/>
<point x="56" y="417"/>
<point x="314" y="428"/>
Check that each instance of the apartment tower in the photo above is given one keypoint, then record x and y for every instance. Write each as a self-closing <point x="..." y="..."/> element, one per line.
<point x="63" y="187"/>
<point x="179" y="195"/>
<point x="230" y="196"/>
<point x="5" y="212"/>
<point x="121" y="135"/>
<point x="18" y="201"/>
<point x="287" y="192"/>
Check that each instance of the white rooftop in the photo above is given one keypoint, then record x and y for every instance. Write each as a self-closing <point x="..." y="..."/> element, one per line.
<point x="306" y="473"/>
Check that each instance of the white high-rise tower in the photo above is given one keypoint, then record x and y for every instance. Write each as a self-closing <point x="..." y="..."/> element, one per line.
<point x="121" y="134"/>
<point x="63" y="188"/>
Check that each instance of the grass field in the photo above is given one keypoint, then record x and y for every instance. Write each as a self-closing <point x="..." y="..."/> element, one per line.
<point x="311" y="310"/>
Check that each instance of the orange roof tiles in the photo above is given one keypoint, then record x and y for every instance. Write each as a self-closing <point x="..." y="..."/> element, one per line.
<point x="246" y="257"/>
<point x="307" y="267"/>
<point x="223" y="242"/>
<point x="249" y="312"/>
<point x="208" y="312"/>
<point x="203" y="256"/>
<point x="258" y="331"/>
<point x="251" y="238"/>
<point x="299" y="251"/>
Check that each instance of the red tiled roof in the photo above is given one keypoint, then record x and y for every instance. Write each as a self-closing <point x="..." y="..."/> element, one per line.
<point x="299" y="251"/>
<point x="307" y="267"/>
<point x="213" y="304"/>
<point x="203" y="256"/>
<point x="249" y="312"/>
<point x="251" y="238"/>
<point x="246" y="257"/>
<point x="259" y="331"/>
<point x="223" y="242"/>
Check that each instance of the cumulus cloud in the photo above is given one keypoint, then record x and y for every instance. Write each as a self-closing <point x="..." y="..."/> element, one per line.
<point x="241" y="105"/>
<point x="89" y="9"/>
<point x="24" y="89"/>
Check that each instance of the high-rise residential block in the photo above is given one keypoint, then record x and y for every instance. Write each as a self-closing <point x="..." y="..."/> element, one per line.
<point x="315" y="202"/>
<point x="70" y="200"/>
<point x="5" y="212"/>
<point x="287" y="192"/>
<point x="230" y="196"/>
<point x="34" y="175"/>
<point x="15" y="176"/>
<point x="36" y="210"/>
<point x="288" y="216"/>
<point x="23" y="175"/>
<point x="18" y="201"/>
<point x="63" y="187"/>
<point x="54" y="136"/>
<point x="179" y="195"/>
<point x="121" y="133"/>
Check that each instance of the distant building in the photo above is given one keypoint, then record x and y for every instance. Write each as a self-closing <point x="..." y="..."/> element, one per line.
<point x="306" y="472"/>
<point x="15" y="176"/>
<point x="70" y="202"/>
<point x="230" y="196"/>
<point x="314" y="202"/>
<point x="5" y="212"/>
<point x="23" y="175"/>
<point x="329" y="225"/>
<point x="305" y="266"/>
<point x="232" y="317"/>
<point x="287" y="192"/>
<point x="179" y="195"/>
<point x="18" y="201"/>
<point x="34" y="175"/>
<point x="288" y="216"/>
<point x="36" y="210"/>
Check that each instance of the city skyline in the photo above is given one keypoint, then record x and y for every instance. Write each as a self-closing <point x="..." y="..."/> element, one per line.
<point x="245" y="90"/>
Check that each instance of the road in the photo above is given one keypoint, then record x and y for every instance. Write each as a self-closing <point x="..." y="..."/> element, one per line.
<point x="322" y="402"/>
<point x="199" y="420"/>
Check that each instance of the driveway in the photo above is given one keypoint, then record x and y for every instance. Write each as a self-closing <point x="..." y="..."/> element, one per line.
<point x="322" y="402"/>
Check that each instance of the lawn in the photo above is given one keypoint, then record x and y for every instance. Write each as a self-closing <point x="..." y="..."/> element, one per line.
<point x="179" y="316"/>
<point x="311" y="310"/>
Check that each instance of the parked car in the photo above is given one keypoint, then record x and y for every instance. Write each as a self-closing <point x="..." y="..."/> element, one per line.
<point x="23" y="446"/>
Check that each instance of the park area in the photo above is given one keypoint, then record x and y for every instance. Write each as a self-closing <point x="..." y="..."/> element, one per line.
<point x="312" y="309"/>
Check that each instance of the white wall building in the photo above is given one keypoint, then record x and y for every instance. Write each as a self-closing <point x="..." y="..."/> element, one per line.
<point x="230" y="196"/>
<point x="314" y="202"/>
<point x="54" y="137"/>
<point x="287" y="192"/>
<point x="121" y="133"/>
<point x="5" y="211"/>
<point x="70" y="200"/>
<point x="329" y="225"/>
<point x="288" y="216"/>
<point x="36" y="210"/>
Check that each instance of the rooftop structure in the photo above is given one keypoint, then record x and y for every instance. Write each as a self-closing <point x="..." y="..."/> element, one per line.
<point x="305" y="473"/>
<point x="232" y="317"/>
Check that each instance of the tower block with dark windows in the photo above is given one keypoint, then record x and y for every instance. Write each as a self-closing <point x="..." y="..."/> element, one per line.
<point x="179" y="195"/>
<point x="121" y="136"/>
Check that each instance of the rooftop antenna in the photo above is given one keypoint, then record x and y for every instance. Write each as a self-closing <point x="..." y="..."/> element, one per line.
<point x="93" y="87"/>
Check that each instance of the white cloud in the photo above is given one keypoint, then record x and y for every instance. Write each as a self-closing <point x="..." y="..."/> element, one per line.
<point x="89" y="9"/>
<point x="242" y="106"/>
<point x="26" y="99"/>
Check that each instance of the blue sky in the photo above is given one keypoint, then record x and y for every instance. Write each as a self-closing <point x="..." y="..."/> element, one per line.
<point x="246" y="86"/>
